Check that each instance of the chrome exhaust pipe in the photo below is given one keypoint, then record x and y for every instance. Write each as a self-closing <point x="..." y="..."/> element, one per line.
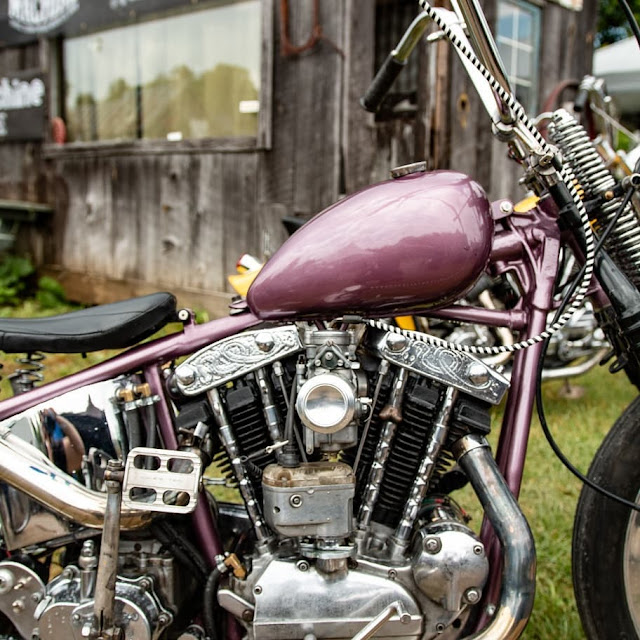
<point x="519" y="554"/>
<point x="24" y="467"/>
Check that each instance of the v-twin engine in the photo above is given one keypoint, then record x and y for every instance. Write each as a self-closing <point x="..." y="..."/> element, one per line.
<point x="340" y="442"/>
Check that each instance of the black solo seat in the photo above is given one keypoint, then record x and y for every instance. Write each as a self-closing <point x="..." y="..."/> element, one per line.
<point x="108" y="326"/>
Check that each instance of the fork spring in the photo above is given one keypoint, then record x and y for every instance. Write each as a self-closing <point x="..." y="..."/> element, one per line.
<point x="591" y="172"/>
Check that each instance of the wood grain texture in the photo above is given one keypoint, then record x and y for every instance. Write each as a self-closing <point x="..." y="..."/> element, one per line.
<point x="179" y="214"/>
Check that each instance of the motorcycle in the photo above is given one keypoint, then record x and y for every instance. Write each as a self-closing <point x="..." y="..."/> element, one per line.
<point x="345" y="435"/>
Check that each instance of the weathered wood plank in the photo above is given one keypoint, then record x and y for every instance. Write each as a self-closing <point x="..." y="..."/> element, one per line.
<point x="358" y="129"/>
<point x="95" y="289"/>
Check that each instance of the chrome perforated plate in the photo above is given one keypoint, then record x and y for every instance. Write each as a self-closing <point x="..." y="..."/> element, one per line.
<point x="161" y="480"/>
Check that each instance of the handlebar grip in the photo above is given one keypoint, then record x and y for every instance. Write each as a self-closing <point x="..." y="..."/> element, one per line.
<point x="381" y="84"/>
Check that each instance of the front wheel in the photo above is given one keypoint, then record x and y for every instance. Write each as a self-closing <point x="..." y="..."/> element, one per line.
<point x="606" y="537"/>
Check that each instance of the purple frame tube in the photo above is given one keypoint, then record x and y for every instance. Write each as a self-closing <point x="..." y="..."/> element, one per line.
<point x="192" y="338"/>
<point x="149" y="357"/>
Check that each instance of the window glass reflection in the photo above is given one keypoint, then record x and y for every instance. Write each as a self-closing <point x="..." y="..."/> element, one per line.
<point x="193" y="75"/>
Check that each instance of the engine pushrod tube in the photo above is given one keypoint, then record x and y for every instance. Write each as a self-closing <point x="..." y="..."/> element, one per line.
<point x="393" y="414"/>
<point x="402" y="535"/>
<point x="519" y="554"/>
<point x="25" y="468"/>
<point x="228" y="440"/>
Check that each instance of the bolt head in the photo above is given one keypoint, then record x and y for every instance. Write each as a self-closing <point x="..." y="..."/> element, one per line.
<point x="432" y="545"/>
<point x="506" y="206"/>
<point x="477" y="373"/>
<point x="295" y="501"/>
<point x="264" y="341"/>
<point x="18" y="605"/>
<point x="396" y="342"/>
<point x="472" y="596"/>
<point x="186" y="374"/>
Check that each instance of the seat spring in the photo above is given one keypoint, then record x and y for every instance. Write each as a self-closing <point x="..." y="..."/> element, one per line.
<point x="26" y="376"/>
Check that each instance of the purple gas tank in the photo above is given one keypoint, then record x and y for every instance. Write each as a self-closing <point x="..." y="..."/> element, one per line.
<point x="417" y="241"/>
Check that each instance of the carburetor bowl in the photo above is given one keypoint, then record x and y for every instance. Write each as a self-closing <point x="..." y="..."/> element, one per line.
<point x="313" y="500"/>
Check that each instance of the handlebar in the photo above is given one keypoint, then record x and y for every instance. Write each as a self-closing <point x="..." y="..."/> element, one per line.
<point x="396" y="61"/>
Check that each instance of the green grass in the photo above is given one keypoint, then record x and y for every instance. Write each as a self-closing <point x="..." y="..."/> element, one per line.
<point x="549" y="492"/>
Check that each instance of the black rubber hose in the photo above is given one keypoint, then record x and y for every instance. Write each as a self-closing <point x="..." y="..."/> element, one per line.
<point x="134" y="430"/>
<point x="210" y="605"/>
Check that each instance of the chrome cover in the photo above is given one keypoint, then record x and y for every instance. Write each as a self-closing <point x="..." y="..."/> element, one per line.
<point x="295" y="599"/>
<point x="452" y="368"/>
<point x="138" y="610"/>
<point x="172" y="487"/>
<point x="20" y="592"/>
<point x="29" y="441"/>
<point x="235" y="356"/>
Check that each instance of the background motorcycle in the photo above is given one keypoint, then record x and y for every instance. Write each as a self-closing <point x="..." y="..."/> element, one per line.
<point x="345" y="435"/>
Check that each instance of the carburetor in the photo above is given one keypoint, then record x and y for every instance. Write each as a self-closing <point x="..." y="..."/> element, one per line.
<point x="332" y="391"/>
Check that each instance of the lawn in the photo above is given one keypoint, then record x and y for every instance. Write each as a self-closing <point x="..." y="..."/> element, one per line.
<point x="549" y="491"/>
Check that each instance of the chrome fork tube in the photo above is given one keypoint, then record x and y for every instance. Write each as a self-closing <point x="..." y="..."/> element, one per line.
<point x="519" y="554"/>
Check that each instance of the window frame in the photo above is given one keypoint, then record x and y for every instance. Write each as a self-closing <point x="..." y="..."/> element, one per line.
<point x="534" y="9"/>
<point x="159" y="146"/>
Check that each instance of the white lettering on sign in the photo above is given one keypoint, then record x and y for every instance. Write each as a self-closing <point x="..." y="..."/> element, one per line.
<point x="40" y="16"/>
<point x="3" y="125"/>
<point x="21" y="94"/>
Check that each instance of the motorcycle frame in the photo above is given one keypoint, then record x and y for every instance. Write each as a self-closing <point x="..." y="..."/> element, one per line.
<point x="527" y="245"/>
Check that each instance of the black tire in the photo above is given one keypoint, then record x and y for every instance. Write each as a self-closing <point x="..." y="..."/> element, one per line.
<point x="600" y="531"/>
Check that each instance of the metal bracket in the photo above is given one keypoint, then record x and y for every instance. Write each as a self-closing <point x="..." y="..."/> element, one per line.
<point x="162" y="481"/>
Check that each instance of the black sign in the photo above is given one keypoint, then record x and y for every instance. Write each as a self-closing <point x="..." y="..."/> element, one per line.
<point x="22" y="106"/>
<point x="22" y="21"/>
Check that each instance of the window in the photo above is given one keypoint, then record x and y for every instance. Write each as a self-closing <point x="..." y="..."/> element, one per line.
<point x="518" y="38"/>
<point x="189" y="75"/>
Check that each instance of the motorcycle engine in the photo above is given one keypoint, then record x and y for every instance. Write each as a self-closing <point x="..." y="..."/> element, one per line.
<point x="340" y="443"/>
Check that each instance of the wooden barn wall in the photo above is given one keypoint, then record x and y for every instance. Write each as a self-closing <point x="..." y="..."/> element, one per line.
<point x="128" y="221"/>
<point x="301" y="174"/>
<point x="127" y="225"/>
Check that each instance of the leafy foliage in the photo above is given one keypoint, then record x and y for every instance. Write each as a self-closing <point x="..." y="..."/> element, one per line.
<point x="14" y="276"/>
<point x="612" y="22"/>
<point x="18" y="282"/>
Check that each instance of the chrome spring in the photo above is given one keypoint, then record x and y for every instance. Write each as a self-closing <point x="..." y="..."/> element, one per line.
<point x="591" y="172"/>
<point x="29" y="374"/>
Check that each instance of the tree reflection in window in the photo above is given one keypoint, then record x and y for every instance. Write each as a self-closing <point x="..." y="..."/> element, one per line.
<point x="194" y="75"/>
